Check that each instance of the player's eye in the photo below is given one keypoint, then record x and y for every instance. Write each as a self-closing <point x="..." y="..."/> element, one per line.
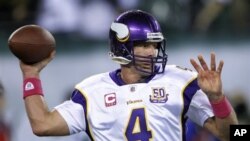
<point x="147" y="45"/>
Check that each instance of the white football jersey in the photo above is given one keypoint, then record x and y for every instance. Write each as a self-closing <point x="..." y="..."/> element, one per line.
<point x="109" y="110"/>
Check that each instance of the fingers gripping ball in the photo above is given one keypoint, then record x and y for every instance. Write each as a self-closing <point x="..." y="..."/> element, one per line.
<point x="31" y="43"/>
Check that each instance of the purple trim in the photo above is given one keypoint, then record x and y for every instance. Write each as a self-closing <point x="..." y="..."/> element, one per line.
<point x="116" y="78"/>
<point x="114" y="75"/>
<point x="188" y="94"/>
<point x="78" y="97"/>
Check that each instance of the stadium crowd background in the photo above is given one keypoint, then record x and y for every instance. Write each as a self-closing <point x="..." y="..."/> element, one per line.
<point x="81" y="27"/>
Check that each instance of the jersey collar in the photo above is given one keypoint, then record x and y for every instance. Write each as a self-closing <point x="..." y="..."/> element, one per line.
<point x="114" y="75"/>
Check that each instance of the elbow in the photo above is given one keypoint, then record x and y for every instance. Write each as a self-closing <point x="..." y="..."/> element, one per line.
<point x="38" y="133"/>
<point x="40" y="130"/>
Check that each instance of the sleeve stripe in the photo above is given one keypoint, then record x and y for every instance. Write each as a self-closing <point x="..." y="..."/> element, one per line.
<point x="79" y="98"/>
<point x="188" y="92"/>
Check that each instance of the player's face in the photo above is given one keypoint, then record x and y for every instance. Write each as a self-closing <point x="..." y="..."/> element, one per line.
<point x="143" y="53"/>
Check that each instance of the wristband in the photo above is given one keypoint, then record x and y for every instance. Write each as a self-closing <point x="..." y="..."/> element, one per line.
<point x="222" y="108"/>
<point x="32" y="86"/>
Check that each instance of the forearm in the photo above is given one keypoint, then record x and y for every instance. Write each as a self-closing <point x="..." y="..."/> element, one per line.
<point x="223" y="125"/>
<point x="37" y="112"/>
<point x="43" y="121"/>
<point x="224" y="117"/>
<point x="35" y="105"/>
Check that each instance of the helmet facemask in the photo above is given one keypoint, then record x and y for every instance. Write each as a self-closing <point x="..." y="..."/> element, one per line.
<point x="150" y="65"/>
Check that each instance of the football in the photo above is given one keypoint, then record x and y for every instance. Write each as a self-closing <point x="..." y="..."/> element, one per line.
<point x="31" y="43"/>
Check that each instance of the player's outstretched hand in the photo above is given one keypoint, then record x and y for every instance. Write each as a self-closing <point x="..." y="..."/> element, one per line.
<point x="33" y="70"/>
<point x="209" y="79"/>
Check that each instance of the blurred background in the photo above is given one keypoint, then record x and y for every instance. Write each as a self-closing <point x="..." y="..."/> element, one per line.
<point x="81" y="27"/>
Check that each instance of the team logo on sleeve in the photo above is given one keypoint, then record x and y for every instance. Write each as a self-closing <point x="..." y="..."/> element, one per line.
<point x="110" y="99"/>
<point x="158" y="95"/>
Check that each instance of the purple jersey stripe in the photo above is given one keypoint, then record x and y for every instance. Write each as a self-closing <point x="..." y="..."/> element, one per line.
<point x="78" y="97"/>
<point x="188" y="94"/>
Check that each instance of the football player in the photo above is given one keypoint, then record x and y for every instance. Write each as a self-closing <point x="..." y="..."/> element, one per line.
<point x="144" y="99"/>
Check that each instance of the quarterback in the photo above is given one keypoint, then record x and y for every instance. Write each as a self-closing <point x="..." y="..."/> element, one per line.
<point x="143" y="100"/>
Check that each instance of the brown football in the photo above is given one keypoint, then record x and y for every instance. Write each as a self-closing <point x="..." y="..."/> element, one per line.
<point x="31" y="43"/>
